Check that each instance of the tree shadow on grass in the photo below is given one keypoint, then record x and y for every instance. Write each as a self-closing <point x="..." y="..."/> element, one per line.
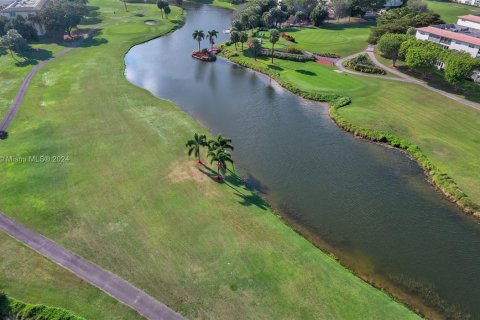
<point x="94" y="40"/>
<point x="234" y="182"/>
<point x="252" y="199"/>
<point x="33" y="57"/>
<point x="275" y="67"/>
<point x="306" y="72"/>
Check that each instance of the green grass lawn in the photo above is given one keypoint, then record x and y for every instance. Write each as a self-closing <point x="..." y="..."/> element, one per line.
<point x="446" y="131"/>
<point x="131" y="201"/>
<point x="12" y="75"/>
<point x="27" y="276"/>
<point x="217" y="3"/>
<point x="342" y="39"/>
<point x="449" y="11"/>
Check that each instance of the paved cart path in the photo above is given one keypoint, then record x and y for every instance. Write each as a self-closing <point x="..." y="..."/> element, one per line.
<point x="401" y="77"/>
<point x="7" y="120"/>
<point x="106" y="281"/>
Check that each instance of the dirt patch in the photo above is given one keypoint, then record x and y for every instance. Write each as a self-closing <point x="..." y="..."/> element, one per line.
<point x="151" y="22"/>
<point x="187" y="171"/>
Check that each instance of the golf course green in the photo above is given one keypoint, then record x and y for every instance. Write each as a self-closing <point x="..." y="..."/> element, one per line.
<point x="129" y="200"/>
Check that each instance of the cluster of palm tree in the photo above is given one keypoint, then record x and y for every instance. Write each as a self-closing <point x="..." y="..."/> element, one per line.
<point x="254" y="45"/>
<point x="164" y="7"/>
<point x="199" y="35"/>
<point x="218" y="151"/>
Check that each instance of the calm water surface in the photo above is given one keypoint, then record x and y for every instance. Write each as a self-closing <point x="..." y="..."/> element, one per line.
<point x="371" y="205"/>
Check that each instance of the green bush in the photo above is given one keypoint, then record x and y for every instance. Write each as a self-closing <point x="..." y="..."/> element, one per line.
<point x="327" y="55"/>
<point x="362" y="63"/>
<point x="10" y="307"/>
<point x="287" y="56"/>
<point x="293" y="50"/>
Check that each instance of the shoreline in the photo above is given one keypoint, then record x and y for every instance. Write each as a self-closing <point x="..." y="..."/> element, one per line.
<point x="438" y="179"/>
<point x="335" y="101"/>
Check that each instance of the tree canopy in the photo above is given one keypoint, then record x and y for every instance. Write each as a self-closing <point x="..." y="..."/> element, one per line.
<point x="390" y="43"/>
<point x="400" y="20"/>
<point x="458" y="66"/>
<point x="318" y="15"/>
<point x="63" y="15"/>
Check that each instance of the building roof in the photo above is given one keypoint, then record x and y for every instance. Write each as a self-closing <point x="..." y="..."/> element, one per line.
<point x="451" y="35"/>
<point x="471" y="17"/>
<point x="25" y="5"/>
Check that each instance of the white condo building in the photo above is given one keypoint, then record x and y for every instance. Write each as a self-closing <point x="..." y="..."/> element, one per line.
<point x="25" y="8"/>
<point x="462" y="36"/>
<point x="469" y="2"/>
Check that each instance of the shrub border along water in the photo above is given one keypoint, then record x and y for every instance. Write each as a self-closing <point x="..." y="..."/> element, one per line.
<point x="439" y="179"/>
<point x="20" y="310"/>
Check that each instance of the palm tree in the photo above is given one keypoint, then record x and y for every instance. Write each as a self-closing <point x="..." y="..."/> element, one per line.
<point x="222" y="143"/>
<point x="211" y="35"/>
<point x="167" y="11"/>
<point x="234" y="37"/>
<point x="161" y="4"/>
<point x="243" y="37"/>
<point x="194" y="145"/>
<point x="221" y="157"/>
<point x="198" y="35"/>
<point x="274" y="36"/>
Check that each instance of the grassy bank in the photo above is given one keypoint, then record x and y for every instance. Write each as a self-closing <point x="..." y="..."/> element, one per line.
<point x="449" y="11"/>
<point x="217" y="3"/>
<point x="27" y="276"/>
<point x="341" y="39"/>
<point x="438" y="132"/>
<point x="131" y="201"/>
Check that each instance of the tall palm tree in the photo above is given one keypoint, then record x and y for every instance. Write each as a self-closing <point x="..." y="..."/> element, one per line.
<point x="234" y="37"/>
<point x="221" y="142"/>
<point x="198" y="35"/>
<point x="274" y="36"/>
<point x="211" y="35"/>
<point x="243" y="37"/>
<point x="194" y="145"/>
<point x="221" y="157"/>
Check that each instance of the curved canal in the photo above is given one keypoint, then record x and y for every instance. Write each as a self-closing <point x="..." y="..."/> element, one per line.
<point x="370" y="205"/>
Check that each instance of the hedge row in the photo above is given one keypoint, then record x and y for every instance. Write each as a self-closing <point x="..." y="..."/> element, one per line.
<point x="363" y="64"/>
<point x="19" y="310"/>
<point x="443" y="181"/>
<point x="363" y="68"/>
<point x="287" y="56"/>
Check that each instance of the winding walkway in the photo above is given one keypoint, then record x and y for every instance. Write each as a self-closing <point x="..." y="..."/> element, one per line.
<point x="7" y="120"/>
<point x="400" y="76"/>
<point x="106" y="281"/>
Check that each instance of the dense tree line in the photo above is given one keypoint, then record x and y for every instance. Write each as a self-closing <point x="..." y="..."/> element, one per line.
<point x="401" y="19"/>
<point x="270" y="14"/>
<point x="425" y="55"/>
<point x="62" y="16"/>
<point x="25" y="27"/>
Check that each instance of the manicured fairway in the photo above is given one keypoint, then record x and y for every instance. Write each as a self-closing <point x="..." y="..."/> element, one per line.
<point x="445" y="130"/>
<point x="27" y="276"/>
<point x="130" y="200"/>
<point x="12" y="75"/>
<point x="341" y="39"/>
<point x="449" y="11"/>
